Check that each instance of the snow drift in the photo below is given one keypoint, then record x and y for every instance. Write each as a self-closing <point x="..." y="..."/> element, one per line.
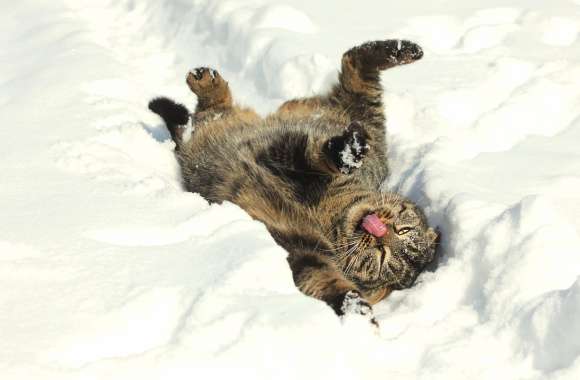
<point x="108" y="269"/>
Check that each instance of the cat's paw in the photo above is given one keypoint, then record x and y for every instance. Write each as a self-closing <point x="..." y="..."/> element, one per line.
<point x="204" y="81"/>
<point x="385" y="54"/>
<point x="348" y="150"/>
<point x="354" y="304"/>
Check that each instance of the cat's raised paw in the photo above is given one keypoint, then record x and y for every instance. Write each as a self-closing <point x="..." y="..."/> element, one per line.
<point x="204" y="80"/>
<point x="385" y="54"/>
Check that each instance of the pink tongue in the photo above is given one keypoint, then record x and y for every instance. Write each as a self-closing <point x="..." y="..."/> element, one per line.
<point x="373" y="225"/>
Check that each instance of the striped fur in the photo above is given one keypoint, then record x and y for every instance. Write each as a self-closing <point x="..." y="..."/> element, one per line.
<point x="289" y="171"/>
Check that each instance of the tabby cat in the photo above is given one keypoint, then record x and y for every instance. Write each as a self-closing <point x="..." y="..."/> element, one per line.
<point x="311" y="173"/>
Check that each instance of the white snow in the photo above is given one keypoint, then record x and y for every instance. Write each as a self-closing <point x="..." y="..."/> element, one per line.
<point x="560" y="31"/>
<point x="109" y="270"/>
<point x="348" y="159"/>
<point x="353" y="305"/>
<point x="351" y="155"/>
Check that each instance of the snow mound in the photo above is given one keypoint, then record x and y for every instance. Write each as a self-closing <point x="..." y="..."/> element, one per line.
<point x="560" y="31"/>
<point x="111" y="271"/>
<point x="282" y="17"/>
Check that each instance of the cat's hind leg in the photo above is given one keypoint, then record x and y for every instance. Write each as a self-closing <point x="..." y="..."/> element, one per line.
<point x="213" y="92"/>
<point x="214" y="98"/>
<point x="359" y="92"/>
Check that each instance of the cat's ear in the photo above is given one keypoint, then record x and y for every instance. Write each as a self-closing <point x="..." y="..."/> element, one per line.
<point x="433" y="236"/>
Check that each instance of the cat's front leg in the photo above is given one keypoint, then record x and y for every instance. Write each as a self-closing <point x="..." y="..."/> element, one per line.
<point x="318" y="277"/>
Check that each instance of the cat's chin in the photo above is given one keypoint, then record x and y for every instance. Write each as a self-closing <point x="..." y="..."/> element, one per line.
<point x="374" y="281"/>
<point x="380" y="270"/>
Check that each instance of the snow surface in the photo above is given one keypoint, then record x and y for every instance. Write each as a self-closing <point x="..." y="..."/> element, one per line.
<point x="350" y="156"/>
<point x="109" y="270"/>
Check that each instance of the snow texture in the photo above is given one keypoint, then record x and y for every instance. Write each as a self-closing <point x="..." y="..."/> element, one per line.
<point x="109" y="270"/>
<point x="350" y="155"/>
<point x="189" y="128"/>
<point x="353" y="305"/>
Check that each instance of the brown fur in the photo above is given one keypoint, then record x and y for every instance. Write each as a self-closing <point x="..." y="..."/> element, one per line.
<point x="291" y="171"/>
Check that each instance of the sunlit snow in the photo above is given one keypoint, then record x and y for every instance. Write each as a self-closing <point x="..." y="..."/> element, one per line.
<point x="109" y="270"/>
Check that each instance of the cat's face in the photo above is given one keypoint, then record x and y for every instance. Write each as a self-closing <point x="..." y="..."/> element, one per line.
<point x="394" y="259"/>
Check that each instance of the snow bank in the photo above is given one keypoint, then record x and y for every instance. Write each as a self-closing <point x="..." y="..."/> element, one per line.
<point x="109" y="270"/>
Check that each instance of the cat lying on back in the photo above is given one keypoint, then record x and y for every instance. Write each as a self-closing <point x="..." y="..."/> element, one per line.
<point x="311" y="173"/>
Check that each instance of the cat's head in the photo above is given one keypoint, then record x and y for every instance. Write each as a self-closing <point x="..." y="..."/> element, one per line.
<point x="394" y="256"/>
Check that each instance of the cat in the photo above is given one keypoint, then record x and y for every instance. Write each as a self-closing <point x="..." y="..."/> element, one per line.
<point x="311" y="173"/>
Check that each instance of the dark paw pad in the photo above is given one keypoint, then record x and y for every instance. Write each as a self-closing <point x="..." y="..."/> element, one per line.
<point x="203" y="72"/>
<point x="347" y="151"/>
<point x="408" y="51"/>
<point x="387" y="53"/>
<point x="203" y="79"/>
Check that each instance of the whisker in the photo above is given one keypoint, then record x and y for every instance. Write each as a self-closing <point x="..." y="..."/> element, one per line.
<point x="339" y="247"/>
<point x="352" y="263"/>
